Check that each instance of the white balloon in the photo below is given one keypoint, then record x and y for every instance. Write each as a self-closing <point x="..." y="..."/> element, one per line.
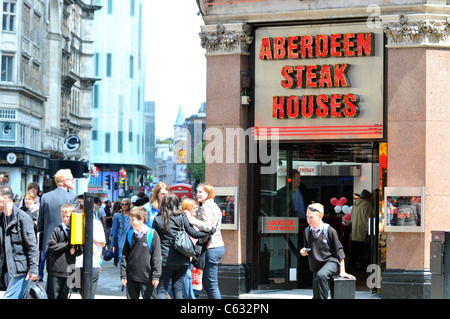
<point x="337" y="208"/>
<point x="346" y="209"/>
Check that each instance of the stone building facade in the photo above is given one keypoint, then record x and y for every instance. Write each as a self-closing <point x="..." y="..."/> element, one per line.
<point x="46" y="50"/>
<point x="414" y="126"/>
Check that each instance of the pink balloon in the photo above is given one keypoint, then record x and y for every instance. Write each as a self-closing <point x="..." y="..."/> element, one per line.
<point x="334" y="201"/>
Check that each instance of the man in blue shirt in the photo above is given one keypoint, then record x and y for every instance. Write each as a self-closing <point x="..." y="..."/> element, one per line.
<point x="294" y="196"/>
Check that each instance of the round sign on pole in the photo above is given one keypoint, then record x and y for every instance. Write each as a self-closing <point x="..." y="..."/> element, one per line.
<point x="123" y="173"/>
<point x="11" y="158"/>
<point x="94" y="171"/>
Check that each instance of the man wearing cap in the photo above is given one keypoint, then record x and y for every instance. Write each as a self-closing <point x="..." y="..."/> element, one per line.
<point x="136" y="201"/>
<point x="324" y="250"/>
<point x="134" y="198"/>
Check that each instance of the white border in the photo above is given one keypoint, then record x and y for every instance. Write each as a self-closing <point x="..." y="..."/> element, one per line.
<point x="405" y="191"/>
<point x="230" y="191"/>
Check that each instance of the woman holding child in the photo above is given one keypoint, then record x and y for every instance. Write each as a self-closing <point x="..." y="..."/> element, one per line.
<point x="209" y="217"/>
<point x="174" y="264"/>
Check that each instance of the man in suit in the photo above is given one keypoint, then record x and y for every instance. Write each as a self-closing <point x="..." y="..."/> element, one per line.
<point x="50" y="209"/>
<point x="294" y="195"/>
<point x="293" y="200"/>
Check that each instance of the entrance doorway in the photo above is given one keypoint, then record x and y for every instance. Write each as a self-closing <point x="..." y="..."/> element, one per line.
<point x="331" y="174"/>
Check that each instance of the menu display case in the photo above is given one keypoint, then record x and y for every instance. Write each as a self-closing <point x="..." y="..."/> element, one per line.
<point x="404" y="209"/>
<point x="227" y="198"/>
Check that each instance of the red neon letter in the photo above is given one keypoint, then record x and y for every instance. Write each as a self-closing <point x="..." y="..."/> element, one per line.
<point x="322" y="46"/>
<point x="340" y="75"/>
<point x="366" y="44"/>
<point x="322" y="109"/>
<point x="311" y="76"/>
<point x="349" y="44"/>
<point x="292" y="47"/>
<point x="351" y="109"/>
<point x="279" y="52"/>
<point x="286" y="72"/>
<point x="300" y="79"/>
<point x="336" y="105"/>
<point x="278" y="107"/>
<point x="307" y="50"/>
<point x="335" y="46"/>
<point x="266" y="51"/>
<point x="325" y="76"/>
<point x="292" y="106"/>
<point x="308" y="106"/>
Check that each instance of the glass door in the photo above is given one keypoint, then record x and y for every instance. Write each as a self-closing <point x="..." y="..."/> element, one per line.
<point x="333" y="175"/>
<point x="278" y="228"/>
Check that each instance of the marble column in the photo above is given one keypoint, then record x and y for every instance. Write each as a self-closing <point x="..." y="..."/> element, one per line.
<point x="227" y="51"/>
<point x="418" y="124"/>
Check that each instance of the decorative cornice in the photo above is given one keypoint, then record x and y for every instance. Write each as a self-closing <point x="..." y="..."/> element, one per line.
<point x="21" y="89"/>
<point x="226" y="39"/>
<point x="413" y="32"/>
<point x="88" y="83"/>
<point x="67" y="81"/>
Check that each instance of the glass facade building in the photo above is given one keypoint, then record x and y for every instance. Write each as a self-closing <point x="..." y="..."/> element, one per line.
<point x="118" y="129"/>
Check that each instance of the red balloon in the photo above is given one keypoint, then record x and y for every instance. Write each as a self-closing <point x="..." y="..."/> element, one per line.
<point x="334" y="201"/>
<point x="347" y="217"/>
<point x="342" y="201"/>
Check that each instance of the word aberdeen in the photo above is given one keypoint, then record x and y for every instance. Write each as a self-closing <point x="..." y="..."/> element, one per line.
<point x="319" y="46"/>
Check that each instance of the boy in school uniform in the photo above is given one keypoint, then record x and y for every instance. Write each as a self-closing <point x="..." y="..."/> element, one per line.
<point x="141" y="259"/>
<point x="63" y="255"/>
<point x="325" y="252"/>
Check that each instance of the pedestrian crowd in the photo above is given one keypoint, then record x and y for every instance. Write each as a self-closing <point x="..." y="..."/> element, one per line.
<point x="137" y="234"/>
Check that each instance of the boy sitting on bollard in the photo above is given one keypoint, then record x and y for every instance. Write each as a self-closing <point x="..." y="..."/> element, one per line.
<point x="324" y="250"/>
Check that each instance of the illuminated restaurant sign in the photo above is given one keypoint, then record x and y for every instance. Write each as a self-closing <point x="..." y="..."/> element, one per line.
<point x="278" y="225"/>
<point x="319" y="82"/>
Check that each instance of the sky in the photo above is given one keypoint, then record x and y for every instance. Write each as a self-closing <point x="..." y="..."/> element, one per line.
<point x="175" y="61"/>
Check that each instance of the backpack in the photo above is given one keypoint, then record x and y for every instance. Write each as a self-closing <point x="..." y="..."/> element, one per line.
<point x="152" y="212"/>
<point x="149" y="237"/>
<point x="325" y="231"/>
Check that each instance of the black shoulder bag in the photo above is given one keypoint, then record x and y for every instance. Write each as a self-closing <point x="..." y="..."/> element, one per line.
<point x="183" y="244"/>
